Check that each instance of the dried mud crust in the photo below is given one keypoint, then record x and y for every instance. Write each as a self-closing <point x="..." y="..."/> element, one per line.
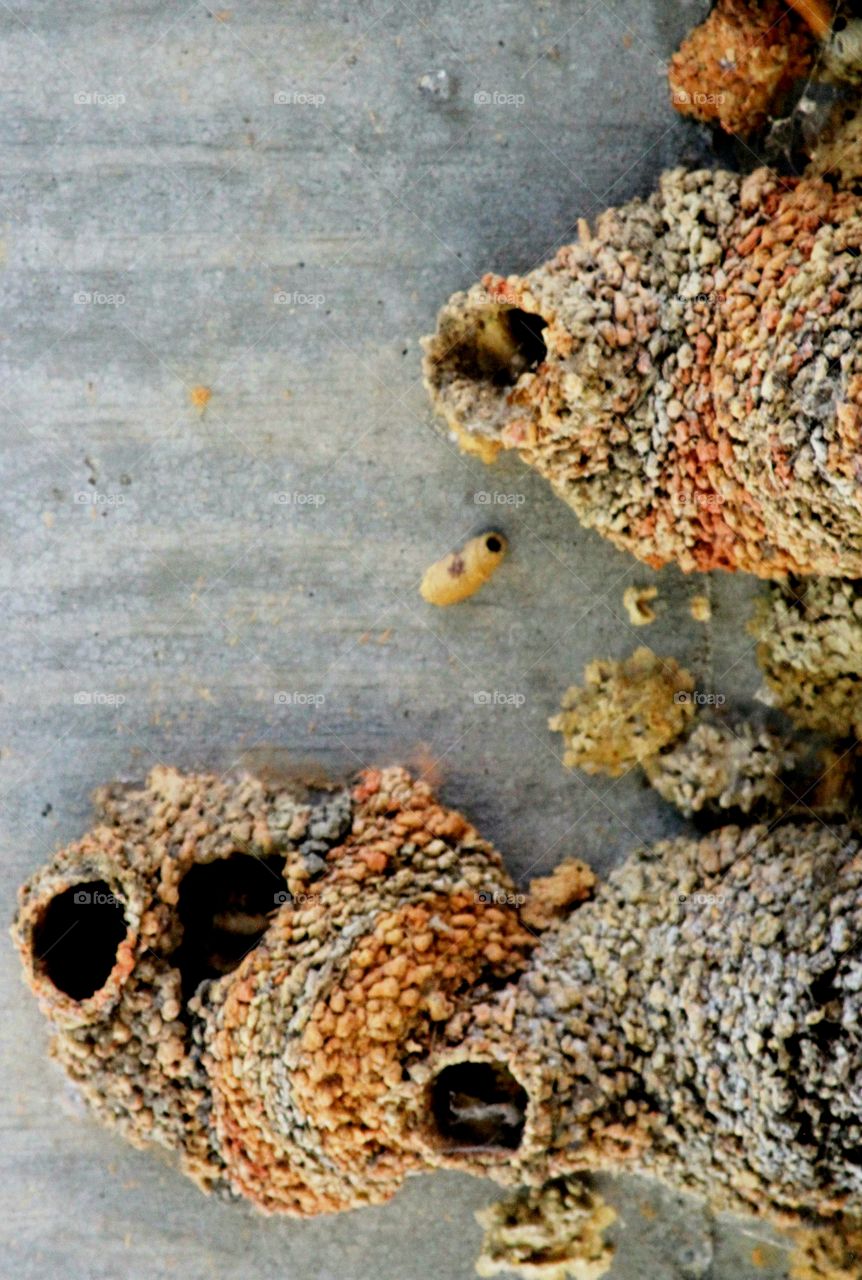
<point x="809" y="635"/>
<point x="688" y="375"/>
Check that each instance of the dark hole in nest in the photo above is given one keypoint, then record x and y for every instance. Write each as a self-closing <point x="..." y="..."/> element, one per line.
<point x="505" y="344"/>
<point x="224" y="908"/>
<point x="75" y="942"/>
<point x="526" y="330"/>
<point x="478" y="1104"/>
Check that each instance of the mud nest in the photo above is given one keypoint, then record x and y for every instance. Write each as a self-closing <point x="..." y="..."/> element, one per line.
<point x="688" y="375"/>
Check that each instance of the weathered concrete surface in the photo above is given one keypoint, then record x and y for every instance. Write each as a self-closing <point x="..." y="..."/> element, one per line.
<point x="287" y="255"/>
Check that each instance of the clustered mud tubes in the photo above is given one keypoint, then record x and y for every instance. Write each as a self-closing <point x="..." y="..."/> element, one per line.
<point x="688" y="375"/>
<point x="246" y="978"/>
<point x="309" y="1002"/>
<point x="309" y="999"/>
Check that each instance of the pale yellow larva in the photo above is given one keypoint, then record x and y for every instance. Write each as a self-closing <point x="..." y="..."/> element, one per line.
<point x="458" y="575"/>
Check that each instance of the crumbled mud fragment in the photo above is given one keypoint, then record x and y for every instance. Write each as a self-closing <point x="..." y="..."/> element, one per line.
<point x="547" y="1233"/>
<point x="737" y="65"/>
<point x="809" y="635"/>
<point x="636" y="602"/>
<point x="718" y="767"/>
<point x="553" y="896"/>
<point x="624" y="713"/>
<point x="200" y="398"/>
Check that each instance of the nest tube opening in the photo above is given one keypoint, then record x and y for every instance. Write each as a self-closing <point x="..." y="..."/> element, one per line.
<point x="477" y="1104"/>
<point x="481" y="350"/>
<point x="497" y="343"/>
<point x="524" y="330"/>
<point x="225" y="907"/>
<point x="76" y="938"/>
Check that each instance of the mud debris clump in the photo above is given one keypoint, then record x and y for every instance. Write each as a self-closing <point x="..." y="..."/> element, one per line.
<point x="638" y="606"/>
<point x="735" y="67"/>
<point x="552" y="897"/>
<point x="553" y="1232"/>
<point x="624" y="713"/>
<point x="718" y="767"/>
<point x="644" y="711"/>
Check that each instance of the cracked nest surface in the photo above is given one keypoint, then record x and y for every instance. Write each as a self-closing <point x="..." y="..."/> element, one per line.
<point x="624" y="713"/>
<point x="809" y="648"/>
<point x="717" y="768"/>
<point x="244" y="977"/>
<point x="687" y="376"/>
